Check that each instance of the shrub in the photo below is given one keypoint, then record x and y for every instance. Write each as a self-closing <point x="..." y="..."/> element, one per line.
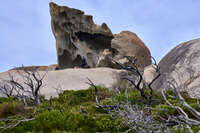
<point x="66" y="116"/>
<point x="6" y="99"/>
<point x="11" y="108"/>
<point x="68" y="121"/>
<point x="70" y="98"/>
<point x="163" y="110"/>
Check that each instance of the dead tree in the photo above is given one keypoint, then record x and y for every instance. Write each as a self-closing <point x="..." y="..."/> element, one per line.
<point x="140" y="84"/>
<point x="182" y="118"/>
<point x="13" y="122"/>
<point x="141" y="120"/>
<point x="95" y="90"/>
<point x="7" y="89"/>
<point x="137" y="119"/>
<point x="98" y="105"/>
<point x="27" y="89"/>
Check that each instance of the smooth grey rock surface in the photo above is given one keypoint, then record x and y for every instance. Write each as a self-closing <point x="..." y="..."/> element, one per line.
<point x="182" y="64"/>
<point x="73" y="79"/>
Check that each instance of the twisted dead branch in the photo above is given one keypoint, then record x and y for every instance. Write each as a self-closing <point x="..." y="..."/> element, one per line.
<point x="182" y="118"/>
<point x="13" y="122"/>
<point x="7" y="89"/>
<point x="141" y="120"/>
<point x="26" y="90"/>
<point x="140" y="84"/>
<point x="95" y="88"/>
<point x="137" y="119"/>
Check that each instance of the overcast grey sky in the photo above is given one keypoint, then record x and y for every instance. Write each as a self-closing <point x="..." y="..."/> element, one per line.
<point x="26" y="37"/>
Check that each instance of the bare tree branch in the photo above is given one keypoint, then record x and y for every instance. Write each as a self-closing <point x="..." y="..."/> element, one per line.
<point x="7" y="89"/>
<point x="14" y="122"/>
<point x="27" y="89"/>
<point x="140" y="85"/>
<point x="95" y="88"/>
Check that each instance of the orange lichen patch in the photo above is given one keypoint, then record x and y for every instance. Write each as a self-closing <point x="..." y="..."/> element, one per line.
<point x="53" y="67"/>
<point x="39" y="68"/>
<point x="30" y="68"/>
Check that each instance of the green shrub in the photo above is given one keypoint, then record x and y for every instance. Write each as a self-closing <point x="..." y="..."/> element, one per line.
<point x="11" y="108"/>
<point x="67" y="121"/>
<point x="77" y="97"/>
<point x="196" y="129"/>
<point x="46" y="121"/>
<point x="66" y="116"/>
<point x="164" y="110"/>
<point x="7" y="99"/>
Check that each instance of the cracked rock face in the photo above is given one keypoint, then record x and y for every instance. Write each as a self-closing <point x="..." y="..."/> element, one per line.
<point x="182" y="64"/>
<point x="77" y="36"/>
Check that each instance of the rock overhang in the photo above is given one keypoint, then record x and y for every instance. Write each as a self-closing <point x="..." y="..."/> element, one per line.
<point x="77" y="36"/>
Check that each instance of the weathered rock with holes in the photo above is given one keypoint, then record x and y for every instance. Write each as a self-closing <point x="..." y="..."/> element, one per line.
<point x="105" y="59"/>
<point x="182" y="64"/>
<point x="77" y="36"/>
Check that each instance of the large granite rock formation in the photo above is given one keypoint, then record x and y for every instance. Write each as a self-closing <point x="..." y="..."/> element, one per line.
<point x="183" y="65"/>
<point x="72" y="79"/>
<point x="77" y="36"/>
<point x="127" y="43"/>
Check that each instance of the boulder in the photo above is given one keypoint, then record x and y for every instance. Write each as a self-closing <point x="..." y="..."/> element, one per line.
<point x="78" y="37"/>
<point x="149" y="73"/>
<point x="73" y="79"/>
<point x="182" y="65"/>
<point x="127" y="43"/>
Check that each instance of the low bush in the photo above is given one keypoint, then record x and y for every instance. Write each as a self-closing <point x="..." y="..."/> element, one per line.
<point x="6" y="99"/>
<point x="66" y="116"/>
<point x="11" y="108"/>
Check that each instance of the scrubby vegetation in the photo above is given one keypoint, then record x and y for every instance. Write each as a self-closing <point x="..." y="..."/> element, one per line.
<point x="136" y="108"/>
<point x="76" y="111"/>
<point x="65" y="115"/>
